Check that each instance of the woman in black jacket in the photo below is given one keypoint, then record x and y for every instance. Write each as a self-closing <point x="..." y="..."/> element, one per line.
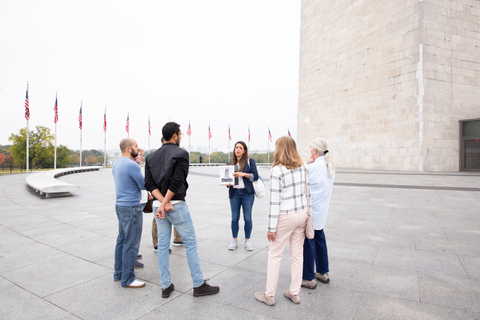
<point x="243" y="194"/>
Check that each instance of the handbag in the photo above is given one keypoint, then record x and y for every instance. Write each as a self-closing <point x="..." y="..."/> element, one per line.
<point x="309" y="231"/>
<point x="149" y="205"/>
<point x="258" y="186"/>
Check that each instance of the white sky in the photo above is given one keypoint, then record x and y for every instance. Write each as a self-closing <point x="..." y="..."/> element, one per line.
<point x="201" y="61"/>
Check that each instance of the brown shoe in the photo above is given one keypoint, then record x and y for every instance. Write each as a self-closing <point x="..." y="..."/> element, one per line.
<point x="322" y="277"/>
<point x="269" y="301"/>
<point x="295" y="298"/>
<point x="312" y="284"/>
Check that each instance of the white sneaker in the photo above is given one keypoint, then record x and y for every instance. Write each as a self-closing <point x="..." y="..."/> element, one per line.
<point x="136" y="284"/>
<point x="248" y="245"/>
<point x="233" y="245"/>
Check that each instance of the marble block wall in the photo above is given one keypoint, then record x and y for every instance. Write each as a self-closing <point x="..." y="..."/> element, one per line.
<point x="386" y="82"/>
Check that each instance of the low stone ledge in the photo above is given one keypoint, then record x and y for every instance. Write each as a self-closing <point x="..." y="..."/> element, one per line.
<point x="45" y="183"/>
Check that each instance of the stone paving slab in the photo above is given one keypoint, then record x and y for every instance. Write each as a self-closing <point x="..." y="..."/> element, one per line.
<point x="408" y="252"/>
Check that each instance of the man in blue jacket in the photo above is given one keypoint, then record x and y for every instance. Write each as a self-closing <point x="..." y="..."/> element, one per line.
<point x="129" y="182"/>
<point x="166" y="172"/>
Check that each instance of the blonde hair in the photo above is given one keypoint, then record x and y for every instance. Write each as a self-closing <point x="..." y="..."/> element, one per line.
<point x="286" y="153"/>
<point x="322" y="147"/>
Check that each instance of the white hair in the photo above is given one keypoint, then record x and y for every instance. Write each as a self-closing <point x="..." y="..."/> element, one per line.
<point x="321" y="146"/>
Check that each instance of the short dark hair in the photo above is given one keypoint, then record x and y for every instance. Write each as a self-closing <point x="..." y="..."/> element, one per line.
<point x="169" y="129"/>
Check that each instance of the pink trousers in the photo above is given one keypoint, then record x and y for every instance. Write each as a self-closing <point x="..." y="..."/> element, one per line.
<point x="290" y="228"/>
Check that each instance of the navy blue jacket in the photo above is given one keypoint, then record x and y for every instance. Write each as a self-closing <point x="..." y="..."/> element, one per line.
<point x="250" y="167"/>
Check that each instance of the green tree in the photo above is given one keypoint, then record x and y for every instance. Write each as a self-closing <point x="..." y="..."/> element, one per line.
<point x="99" y="160"/>
<point x="41" y="149"/>
<point x="195" y="157"/>
<point x="63" y="156"/>
<point x="5" y="150"/>
<point x="218" y="157"/>
<point x="75" y="159"/>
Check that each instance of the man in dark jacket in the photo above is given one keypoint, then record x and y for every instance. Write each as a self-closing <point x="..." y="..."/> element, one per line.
<point x="166" y="172"/>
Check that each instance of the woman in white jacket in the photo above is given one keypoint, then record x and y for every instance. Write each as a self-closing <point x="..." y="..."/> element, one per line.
<point x="321" y="173"/>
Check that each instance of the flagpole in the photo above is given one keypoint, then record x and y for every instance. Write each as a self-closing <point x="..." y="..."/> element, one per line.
<point x="249" y="137"/>
<point x="28" y="120"/>
<point x="56" y="112"/>
<point x="148" y="134"/>
<point x="209" y="142"/>
<point x="81" y="104"/>
<point x="228" y="151"/>
<point x="268" y="146"/>
<point x="105" y="139"/>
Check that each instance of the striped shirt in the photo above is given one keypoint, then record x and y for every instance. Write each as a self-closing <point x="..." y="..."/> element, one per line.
<point x="288" y="193"/>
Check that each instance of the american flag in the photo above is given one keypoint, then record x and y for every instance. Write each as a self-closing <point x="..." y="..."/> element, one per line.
<point x="269" y="134"/>
<point x="289" y="133"/>
<point x="149" y="127"/>
<point x="209" y="133"/>
<point x="27" y="106"/>
<point x="229" y="134"/>
<point x="127" y="126"/>
<point x="55" y="108"/>
<point x="248" y="133"/>
<point x="105" y="120"/>
<point x="189" y="130"/>
<point x="80" y="118"/>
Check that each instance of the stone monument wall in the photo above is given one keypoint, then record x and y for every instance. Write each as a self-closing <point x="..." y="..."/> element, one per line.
<point x="387" y="81"/>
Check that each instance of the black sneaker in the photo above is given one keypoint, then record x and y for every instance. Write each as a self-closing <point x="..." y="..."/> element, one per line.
<point x="166" y="292"/>
<point x="205" y="289"/>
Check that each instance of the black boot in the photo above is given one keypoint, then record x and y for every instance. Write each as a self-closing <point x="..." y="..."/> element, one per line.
<point x="205" y="289"/>
<point x="166" y="292"/>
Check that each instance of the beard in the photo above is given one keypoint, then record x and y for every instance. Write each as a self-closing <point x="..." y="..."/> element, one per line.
<point x="133" y="154"/>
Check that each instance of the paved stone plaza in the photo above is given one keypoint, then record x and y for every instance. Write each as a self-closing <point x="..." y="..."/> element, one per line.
<point x="401" y="246"/>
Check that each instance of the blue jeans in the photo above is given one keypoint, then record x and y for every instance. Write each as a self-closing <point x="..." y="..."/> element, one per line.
<point x="242" y="199"/>
<point x="315" y="253"/>
<point x="130" y="223"/>
<point x="180" y="218"/>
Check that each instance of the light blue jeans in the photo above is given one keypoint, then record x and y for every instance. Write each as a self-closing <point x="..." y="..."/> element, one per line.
<point x="180" y="218"/>
<point x="130" y="223"/>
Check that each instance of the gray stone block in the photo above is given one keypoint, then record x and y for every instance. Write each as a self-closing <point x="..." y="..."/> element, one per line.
<point x="453" y="292"/>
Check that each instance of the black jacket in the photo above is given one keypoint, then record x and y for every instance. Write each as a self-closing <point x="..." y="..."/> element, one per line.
<point x="167" y="169"/>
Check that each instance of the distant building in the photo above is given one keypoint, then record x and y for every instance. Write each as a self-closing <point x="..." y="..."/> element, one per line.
<point x="392" y="85"/>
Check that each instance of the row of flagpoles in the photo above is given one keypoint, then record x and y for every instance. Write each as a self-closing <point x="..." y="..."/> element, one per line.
<point x="127" y="129"/>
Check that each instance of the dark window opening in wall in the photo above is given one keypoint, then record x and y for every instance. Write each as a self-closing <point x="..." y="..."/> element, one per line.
<point x="470" y="145"/>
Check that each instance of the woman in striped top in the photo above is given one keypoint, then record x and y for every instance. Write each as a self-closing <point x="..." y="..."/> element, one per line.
<point x="287" y="218"/>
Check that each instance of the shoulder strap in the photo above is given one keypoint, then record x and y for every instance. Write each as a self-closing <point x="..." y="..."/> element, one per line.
<point x="307" y="190"/>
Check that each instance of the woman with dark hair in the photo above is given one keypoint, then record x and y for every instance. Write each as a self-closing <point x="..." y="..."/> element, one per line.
<point x="287" y="218"/>
<point x="243" y="194"/>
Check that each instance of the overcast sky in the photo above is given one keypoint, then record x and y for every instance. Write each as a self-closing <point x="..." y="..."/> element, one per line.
<point x="200" y="61"/>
